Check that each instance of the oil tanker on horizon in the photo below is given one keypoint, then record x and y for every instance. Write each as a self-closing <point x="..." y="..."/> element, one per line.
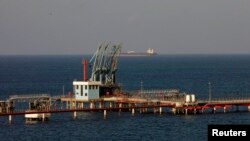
<point x="150" y="52"/>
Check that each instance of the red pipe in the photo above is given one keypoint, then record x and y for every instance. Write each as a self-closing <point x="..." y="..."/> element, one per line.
<point x="84" y="62"/>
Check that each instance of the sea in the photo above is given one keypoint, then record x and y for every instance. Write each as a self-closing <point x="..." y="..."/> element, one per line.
<point x="229" y="76"/>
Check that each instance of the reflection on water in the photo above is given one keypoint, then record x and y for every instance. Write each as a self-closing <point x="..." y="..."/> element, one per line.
<point x="31" y="122"/>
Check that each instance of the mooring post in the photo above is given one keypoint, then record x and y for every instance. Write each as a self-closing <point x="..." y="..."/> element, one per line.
<point x="186" y="111"/>
<point x="160" y="110"/>
<point x="195" y="111"/>
<point x="248" y="108"/>
<point x="225" y="109"/>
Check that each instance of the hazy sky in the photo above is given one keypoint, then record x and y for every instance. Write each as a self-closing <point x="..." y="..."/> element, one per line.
<point x="168" y="26"/>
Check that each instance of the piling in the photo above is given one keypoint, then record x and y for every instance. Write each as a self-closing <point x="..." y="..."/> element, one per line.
<point x="10" y="119"/>
<point x="105" y="113"/>
<point x="74" y="114"/>
<point x="91" y="106"/>
<point x="174" y="110"/>
<point x="160" y="110"/>
<point x="120" y="106"/>
<point x="100" y="104"/>
<point x="43" y="117"/>
<point x="110" y="105"/>
<point x="214" y="110"/>
<point x="133" y="111"/>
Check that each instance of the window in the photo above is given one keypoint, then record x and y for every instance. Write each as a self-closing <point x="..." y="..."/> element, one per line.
<point x="76" y="86"/>
<point x="90" y="87"/>
<point x="86" y="94"/>
<point x="86" y="87"/>
<point x="82" y="91"/>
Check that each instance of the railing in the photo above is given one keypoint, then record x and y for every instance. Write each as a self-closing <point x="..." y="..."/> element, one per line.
<point x="167" y="91"/>
<point x="30" y="96"/>
<point x="231" y="100"/>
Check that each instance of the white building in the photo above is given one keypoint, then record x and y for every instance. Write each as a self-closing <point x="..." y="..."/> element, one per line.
<point x="86" y="90"/>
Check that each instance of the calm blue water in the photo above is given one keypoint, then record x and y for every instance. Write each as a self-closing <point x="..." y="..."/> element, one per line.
<point x="229" y="75"/>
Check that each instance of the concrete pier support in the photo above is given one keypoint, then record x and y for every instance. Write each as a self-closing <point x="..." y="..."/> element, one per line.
<point x="120" y="106"/>
<point x="100" y="104"/>
<point x="225" y="109"/>
<point x="156" y="110"/>
<point x="74" y="114"/>
<point x="92" y="105"/>
<point x="174" y="110"/>
<point x="248" y="108"/>
<point x="110" y="105"/>
<point x="143" y="110"/>
<point x="105" y="113"/>
<point x="74" y="104"/>
<point x="195" y="110"/>
<point x="10" y="119"/>
<point x="214" y="110"/>
<point x="178" y="111"/>
<point x="160" y="110"/>
<point x="133" y="111"/>
<point x="67" y="105"/>
<point x="43" y="117"/>
<point x="186" y="111"/>
<point x="70" y="105"/>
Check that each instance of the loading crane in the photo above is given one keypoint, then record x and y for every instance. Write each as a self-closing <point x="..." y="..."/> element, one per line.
<point x="104" y="63"/>
<point x="102" y="81"/>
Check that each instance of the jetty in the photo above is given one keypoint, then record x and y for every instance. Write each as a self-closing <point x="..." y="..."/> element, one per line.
<point x="101" y="93"/>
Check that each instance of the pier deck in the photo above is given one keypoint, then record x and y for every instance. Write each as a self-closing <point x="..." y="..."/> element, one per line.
<point x="61" y="104"/>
